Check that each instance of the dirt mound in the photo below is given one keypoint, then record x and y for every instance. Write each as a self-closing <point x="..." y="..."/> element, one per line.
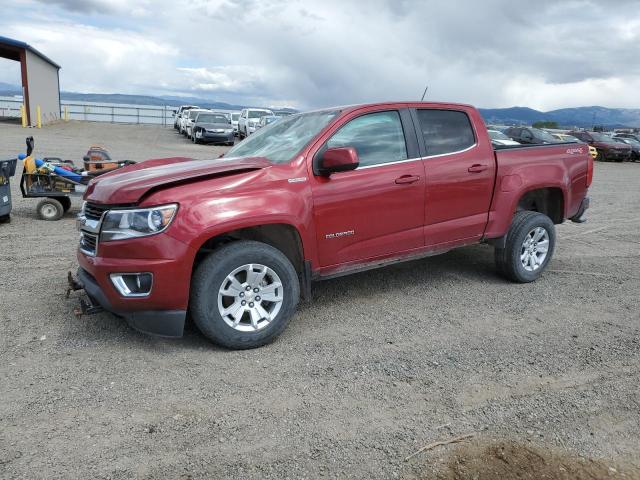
<point x="508" y="460"/>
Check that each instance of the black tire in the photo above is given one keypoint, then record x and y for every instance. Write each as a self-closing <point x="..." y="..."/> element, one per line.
<point x="209" y="277"/>
<point x="65" y="202"/>
<point x="5" y="218"/>
<point x="600" y="156"/>
<point x="230" y="144"/>
<point x="50" y="209"/>
<point x="508" y="261"/>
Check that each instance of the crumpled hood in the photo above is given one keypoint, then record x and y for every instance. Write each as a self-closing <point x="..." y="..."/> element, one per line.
<point x="128" y="185"/>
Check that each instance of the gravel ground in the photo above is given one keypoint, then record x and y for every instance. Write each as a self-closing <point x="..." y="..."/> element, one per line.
<point x="377" y="366"/>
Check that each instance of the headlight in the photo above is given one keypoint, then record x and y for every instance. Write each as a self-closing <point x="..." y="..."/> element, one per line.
<point x="122" y="224"/>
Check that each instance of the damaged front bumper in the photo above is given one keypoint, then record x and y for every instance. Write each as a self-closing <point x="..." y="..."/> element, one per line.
<point x="165" y="323"/>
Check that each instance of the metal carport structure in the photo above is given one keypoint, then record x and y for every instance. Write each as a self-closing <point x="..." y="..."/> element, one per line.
<point x="40" y="80"/>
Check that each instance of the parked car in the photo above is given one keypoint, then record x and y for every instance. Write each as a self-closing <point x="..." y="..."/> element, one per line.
<point x="608" y="149"/>
<point x="633" y="143"/>
<point x="499" y="138"/>
<point x="234" y="121"/>
<point x="249" y="118"/>
<point x="530" y="135"/>
<point x="564" y="137"/>
<point x="266" y="120"/>
<point x="210" y="127"/>
<point x="177" y="113"/>
<point x="188" y="121"/>
<point x="236" y="240"/>
<point x="633" y="136"/>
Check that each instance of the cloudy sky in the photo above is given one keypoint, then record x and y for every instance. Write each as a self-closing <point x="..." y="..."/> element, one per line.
<point x="306" y="53"/>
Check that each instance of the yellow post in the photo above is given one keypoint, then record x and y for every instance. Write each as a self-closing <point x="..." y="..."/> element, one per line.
<point x="23" y="116"/>
<point x="39" y="124"/>
<point x="66" y="113"/>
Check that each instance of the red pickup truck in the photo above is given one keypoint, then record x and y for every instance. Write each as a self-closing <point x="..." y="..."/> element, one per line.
<point x="236" y="241"/>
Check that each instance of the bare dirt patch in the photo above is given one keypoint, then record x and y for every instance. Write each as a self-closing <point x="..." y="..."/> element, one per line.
<point x="510" y="460"/>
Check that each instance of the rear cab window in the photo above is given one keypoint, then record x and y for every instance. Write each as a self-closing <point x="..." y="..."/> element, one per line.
<point x="445" y="131"/>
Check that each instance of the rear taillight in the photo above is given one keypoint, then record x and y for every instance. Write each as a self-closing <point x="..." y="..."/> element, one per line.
<point x="589" y="171"/>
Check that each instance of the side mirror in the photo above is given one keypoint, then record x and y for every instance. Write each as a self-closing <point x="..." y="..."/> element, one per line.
<point x="340" y="159"/>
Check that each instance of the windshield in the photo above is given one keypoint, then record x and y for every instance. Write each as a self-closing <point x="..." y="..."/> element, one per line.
<point x="258" y="113"/>
<point x="235" y="116"/>
<point x="208" y="118"/>
<point x="281" y="141"/>
<point x="628" y="141"/>
<point x="193" y="114"/>
<point x="496" y="135"/>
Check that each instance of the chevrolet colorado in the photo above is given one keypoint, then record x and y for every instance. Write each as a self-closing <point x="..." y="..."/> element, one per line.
<point x="236" y="241"/>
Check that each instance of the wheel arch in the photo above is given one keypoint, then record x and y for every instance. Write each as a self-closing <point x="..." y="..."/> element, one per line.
<point x="549" y="201"/>
<point x="284" y="237"/>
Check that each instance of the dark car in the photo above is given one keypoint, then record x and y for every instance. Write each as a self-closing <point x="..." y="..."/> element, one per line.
<point x="212" y="128"/>
<point x="608" y="148"/>
<point x="633" y="143"/>
<point x="632" y="136"/>
<point x="530" y="135"/>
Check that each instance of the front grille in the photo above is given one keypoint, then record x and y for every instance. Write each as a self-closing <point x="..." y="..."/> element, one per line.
<point x="88" y="243"/>
<point x="94" y="211"/>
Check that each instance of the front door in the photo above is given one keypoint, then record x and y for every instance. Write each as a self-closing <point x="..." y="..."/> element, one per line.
<point x="377" y="209"/>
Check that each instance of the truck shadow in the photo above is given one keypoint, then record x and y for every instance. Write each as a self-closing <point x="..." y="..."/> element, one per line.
<point x="466" y="265"/>
<point x="469" y="264"/>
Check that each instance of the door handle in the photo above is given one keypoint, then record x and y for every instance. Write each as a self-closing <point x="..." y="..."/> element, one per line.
<point x="404" y="179"/>
<point x="477" y="168"/>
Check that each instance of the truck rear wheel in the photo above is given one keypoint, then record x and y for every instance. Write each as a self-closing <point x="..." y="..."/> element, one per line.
<point x="528" y="249"/>
<point x="244" y="294"/>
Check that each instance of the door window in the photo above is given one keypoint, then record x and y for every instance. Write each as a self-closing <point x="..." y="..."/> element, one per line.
<point x="445" y="131"/>
<point x="377" y="137"/>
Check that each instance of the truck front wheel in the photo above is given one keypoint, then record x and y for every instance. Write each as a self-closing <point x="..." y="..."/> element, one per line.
<point x="528" y="248"/>
<point x="244" y="294"/>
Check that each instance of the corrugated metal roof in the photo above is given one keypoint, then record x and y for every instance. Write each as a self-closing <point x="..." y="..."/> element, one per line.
<point x="18" y="44"/>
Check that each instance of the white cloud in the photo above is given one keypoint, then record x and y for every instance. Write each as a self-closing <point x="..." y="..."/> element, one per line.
<point x="324" y="52"/>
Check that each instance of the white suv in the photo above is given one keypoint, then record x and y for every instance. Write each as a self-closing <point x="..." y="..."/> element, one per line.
<point x="249" y="118"/>
<point x="235" y="116"/>
<point x="177" y="114"/>
<point x="182" y="117"/>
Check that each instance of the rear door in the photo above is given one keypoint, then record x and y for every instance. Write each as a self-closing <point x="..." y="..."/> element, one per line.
<point x="377" y="209"/>
<point x="460" y="169"/>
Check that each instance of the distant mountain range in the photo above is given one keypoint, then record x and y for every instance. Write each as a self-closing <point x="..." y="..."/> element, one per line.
<point x="7" y="89"/>
<point x="566" y="117"/>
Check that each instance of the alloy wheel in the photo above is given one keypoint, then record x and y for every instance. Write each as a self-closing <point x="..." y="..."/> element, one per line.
<point x="534" y="249"/>
<point x="250" y="297"/>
